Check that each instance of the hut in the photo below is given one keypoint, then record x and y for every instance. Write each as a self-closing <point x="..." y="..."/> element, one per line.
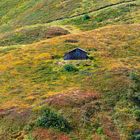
<point x="76" y="54"/>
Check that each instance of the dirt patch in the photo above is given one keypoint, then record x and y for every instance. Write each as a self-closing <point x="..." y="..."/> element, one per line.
<point x="44" y="134"/>
<point x="55" y="31"/>
<point x="109" y="128"/>
<point x="96" y="137"/>
<point x="5" y="112"/>
<point x="14" y="117"/>
<point x="74" y="99"/>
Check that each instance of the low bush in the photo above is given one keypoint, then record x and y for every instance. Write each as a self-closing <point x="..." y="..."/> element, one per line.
<point x="91" y="57"/>
<point x="70" y="68"/>
<point x="50" y="119"/>
<point x="86" y="17"/>
<point x="137" y="114"/>
<point x="100" y="130"/>
<point x="134" y="91"/>
<point x="135" y="137"/>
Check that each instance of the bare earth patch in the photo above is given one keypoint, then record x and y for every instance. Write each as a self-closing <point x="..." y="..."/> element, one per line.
<point x="44" y="134"/>
<point x="74" y="99"/>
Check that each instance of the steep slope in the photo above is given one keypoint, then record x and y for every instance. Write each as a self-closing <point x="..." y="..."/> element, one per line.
<point x="35" y="75"/>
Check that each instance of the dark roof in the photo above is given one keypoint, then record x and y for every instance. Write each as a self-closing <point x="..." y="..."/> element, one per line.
<point x="76" y="49"/>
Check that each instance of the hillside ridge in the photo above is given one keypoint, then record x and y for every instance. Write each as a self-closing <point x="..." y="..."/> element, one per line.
<point x="81" y="14"/>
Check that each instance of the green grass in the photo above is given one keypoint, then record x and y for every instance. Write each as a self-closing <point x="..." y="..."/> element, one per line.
<point x="31" y="12"/>
<point x="22" y="13"/>
<point x="108" y="16"/>
<point x="31" y="35"/>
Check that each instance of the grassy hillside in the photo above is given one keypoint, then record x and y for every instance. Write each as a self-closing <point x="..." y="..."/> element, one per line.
<point x="40" y="11"/>
<point x="36" y="75"/>
<point x="21" y="13"/>
<point x="84" y="16"/>
<point x="43" y="97"/>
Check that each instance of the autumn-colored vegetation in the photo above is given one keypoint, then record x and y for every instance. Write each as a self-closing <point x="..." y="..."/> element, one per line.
<point x="43" y="97"/>
<point x="33" y="76"/>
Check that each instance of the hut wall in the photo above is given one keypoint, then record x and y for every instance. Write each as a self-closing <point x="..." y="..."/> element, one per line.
<point x="76" y="55"/>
